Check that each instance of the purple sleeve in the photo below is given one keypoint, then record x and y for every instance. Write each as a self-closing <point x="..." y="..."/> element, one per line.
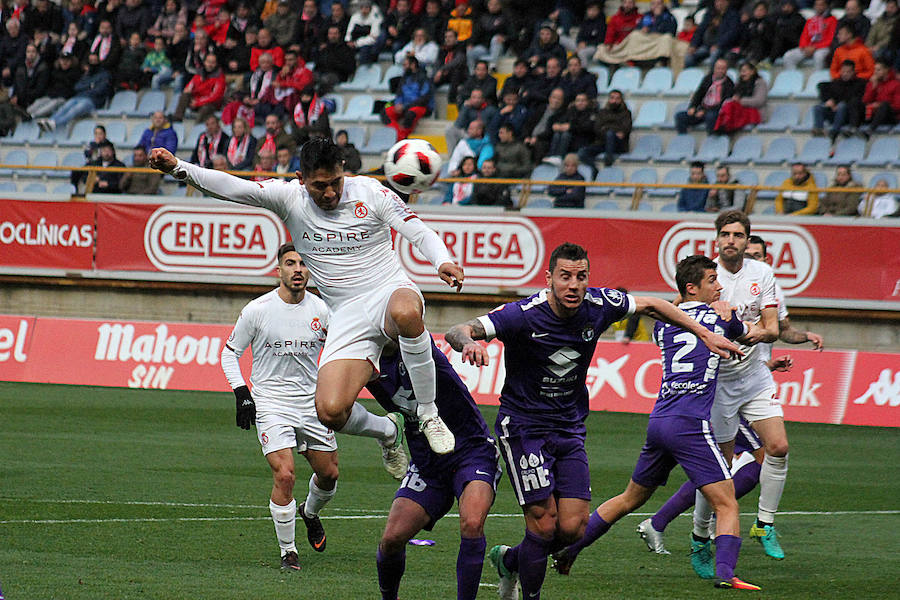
<point x="505" y="321"/>
<point x="734" y="328"/>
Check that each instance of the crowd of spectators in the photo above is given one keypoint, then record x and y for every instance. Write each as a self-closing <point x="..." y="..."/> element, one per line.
<point x="237" y="64"/>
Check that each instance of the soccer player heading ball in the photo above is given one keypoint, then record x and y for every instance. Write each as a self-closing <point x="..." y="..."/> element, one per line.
<point x="341" y="227"/>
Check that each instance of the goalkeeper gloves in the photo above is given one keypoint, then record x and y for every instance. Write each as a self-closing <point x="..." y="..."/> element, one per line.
<point x="246" y="408"/>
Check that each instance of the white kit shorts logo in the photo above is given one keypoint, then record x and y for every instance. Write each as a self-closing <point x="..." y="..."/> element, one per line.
<point x="794" y="252"/>
<point x="209" y="239"/>
<point x="495" y="251"/>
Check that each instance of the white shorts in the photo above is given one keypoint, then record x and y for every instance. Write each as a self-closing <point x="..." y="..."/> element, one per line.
<point x="293" y="429"/>
<point x="356" y="329"/>
<point x="752" y="396"/>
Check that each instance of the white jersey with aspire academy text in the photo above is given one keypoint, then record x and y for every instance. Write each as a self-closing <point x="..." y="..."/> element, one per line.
<point x="765" y="348"/>
<point x="348" y="250"/>
<point x="748" y="291"/>
<point x="286" y="340"/>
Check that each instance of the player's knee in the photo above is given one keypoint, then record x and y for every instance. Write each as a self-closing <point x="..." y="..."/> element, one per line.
<point x="332" y="414"/>
<point x="545" y="526"/>
<point x="571" y="529"/>
<point x="284" y="478"/>
<point x="778" y="448"/>
<point x="392" y="541"/>
<point x="471" y="526"/>
<point x="327" y="477"/>
<point x="407" y="316"/>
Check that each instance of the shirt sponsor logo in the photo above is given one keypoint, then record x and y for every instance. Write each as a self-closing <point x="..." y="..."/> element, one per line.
<point x="213" y="240"/>
<point x="614" y="297"/>
<point x="563" y="361"/>
<point x="794" y="252"/>
<point x="501" y="252"/>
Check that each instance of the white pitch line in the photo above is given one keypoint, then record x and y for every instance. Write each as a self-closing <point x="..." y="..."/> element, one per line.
<point x="171" y="504"/>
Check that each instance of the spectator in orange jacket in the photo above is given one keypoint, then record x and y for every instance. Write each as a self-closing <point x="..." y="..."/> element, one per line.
<point x="852" y="48"/>
<point x="622" y="23"/>
<point x="205" y="91"/>
<point x="461" y="20"/>
<point x="881" y="98"/>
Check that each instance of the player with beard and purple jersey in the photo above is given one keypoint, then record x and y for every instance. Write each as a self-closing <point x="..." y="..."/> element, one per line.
<point x="470" y="473"/>
<point x="549" y="341"/>
<point x="678" y="431"/>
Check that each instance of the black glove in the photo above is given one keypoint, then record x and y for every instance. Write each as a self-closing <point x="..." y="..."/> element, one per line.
<point x="246" y="408"/>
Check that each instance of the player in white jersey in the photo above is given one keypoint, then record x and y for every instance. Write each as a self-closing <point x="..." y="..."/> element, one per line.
<point x="341" y="228"/>
<point x="285" y="329"/>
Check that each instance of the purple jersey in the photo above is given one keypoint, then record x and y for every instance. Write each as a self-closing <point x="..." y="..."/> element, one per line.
<point x="689" y="367"/>
<point x="393" y="391"/>
<point x="547" y="357"/>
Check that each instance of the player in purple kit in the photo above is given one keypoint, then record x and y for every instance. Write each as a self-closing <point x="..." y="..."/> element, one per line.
<point x="678" y="431"/>
<point x="550" y="340"/>
<point x="470" y="473"/>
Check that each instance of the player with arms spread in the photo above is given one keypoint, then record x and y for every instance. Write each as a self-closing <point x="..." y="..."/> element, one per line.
<point x="549" y="341"/>
<point x="286" y="330"/>
<point x="470" y="474"/>
<point x="678" y="431"/>
<point x="341" y="227"/>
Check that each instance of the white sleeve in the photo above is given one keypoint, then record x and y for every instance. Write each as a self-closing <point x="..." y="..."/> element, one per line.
<point x="234" y="347"/>
<point x="273" y="194"/>
<point x="769" y="298"/>
<point x="461" y="151"/>
<point x="394" y="211"/>
<point x="782" y="305"/>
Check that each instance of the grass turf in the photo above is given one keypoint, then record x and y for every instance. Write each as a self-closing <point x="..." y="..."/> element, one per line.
<point x="121" y="494"/>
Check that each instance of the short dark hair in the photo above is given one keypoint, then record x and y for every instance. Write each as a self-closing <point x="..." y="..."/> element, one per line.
<point x="755" y="239"/>
<point x="698" y="164"/>
<point x="284" y="249"/>
<point x="728" y="217"/>
<point x="106" y="144"/>
<point x="101" y="128"/>
<point x="482" y="62"/>
<point x="849" y="27"/>
<point x="320" y="153"/>
<point x="848" y="63"/>
<point x="691" y="270"/>
<point x="567" y="251"/>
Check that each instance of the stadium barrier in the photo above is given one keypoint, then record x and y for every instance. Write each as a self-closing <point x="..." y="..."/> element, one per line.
<point x="837" y="387"/>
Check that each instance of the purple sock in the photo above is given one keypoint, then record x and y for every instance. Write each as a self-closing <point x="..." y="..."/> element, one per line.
<point x="533" y="552"/>
<point x="511" y="559"/>
<point x="468" y="567"/>
<point x="680" y="501"/>
<point x="746" y="478"/>
<point x="727" y="549"/>
<point x="595" y="528"/>
<point x="390" y="571"/>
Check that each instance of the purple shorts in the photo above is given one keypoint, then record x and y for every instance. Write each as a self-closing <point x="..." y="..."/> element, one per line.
<point x="542" y="462"/>
<point x="436" y="490"/>
<point x="685" y="441"/>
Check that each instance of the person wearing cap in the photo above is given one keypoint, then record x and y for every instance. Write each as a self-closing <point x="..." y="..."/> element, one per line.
<point x="60" y="87"/>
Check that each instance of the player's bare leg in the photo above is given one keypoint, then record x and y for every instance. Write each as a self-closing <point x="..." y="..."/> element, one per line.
<point x="322" y="487"/>
<point x="474" y="504"/>
<point x="282" y="505"/>
<point x="405" y="520"/>
<point x="404" y="323"/>
<point x="340" y="382"/>
<point x="772" y="477"/>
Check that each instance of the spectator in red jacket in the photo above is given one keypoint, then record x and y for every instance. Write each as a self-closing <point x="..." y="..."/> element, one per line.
<point x="293" y="78"/>
<point x="881" y="98"/>
<point x="265" y="43"/>
<point x="622" y="23"/>
<point x="205" y="91"/>
<point x="815" y="41"/>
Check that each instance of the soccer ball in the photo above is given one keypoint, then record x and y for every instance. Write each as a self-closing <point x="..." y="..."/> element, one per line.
<point x="412" y="165"/>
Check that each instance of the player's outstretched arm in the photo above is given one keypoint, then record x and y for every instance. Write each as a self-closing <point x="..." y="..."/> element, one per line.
<point x="780" y="363"/>
<point x="667" y="313"/>
<point x="766" y="329"/>
<point x="462" y="338"/>
<point x="432" y="247"/>
<point x="790" y="335"/>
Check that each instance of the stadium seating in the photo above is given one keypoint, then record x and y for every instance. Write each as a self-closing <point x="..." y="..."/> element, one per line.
<point x="366" y="77"/>
<point x="116" y="131"/>
<point x="815" y="150"/>
<point x="847" y="152"/>
<point x="64" y="188"/>
<point x="25" y="133"/>
<point x="585" y="172"/>
<point x="811" y="89"/>
<point x="747" y="177"/>
<point x="712" y="148"/>
<point x="607" y="175"/>
<point x="657" y="80"/>
<point x="806" y="124"/>
<point x="542" y="172"/>
<point x="651" y="114"/>
<point x="646" y="148"/>
<point x="190" y="139"/>
<point x="783" y="117"/>
<point x="150" y="102"/>
<point x="359" y="106"/>
<point x="668" y="208"/>
<point x="604" y="205"/>
<point x="626" y="80"/>
<point x="746" y="149"/>
<point x="884" y="151"/>
<point x="780" y="151"/>
<point x="123" y="103"/>
<point x="35" y="188"/>
<point x="380" y="141"/>
<point x="15" y="157"/>
<point x="8" y="186"/>
<point x="681" y="147"/>
<point x="173" y="102"/>
<point x="385" y="84"/>
<point x="540" y="203"/>
<point x="356" y="135"/>
<point x="602" y="74"/>
<point x="643" y="175"/>
<point x="46" y="158"/>
<point x="773" y="179"/>
<point x="49" y="138"/>
<point x="687" y="82"/>
<point x="674" y="177"/>
<point x="787" y="84"/>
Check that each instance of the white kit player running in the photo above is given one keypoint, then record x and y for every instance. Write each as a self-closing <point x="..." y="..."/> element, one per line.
<point x="341" y="228"/>
<point x="746" y="387"/>
<point x="285" y="329"/>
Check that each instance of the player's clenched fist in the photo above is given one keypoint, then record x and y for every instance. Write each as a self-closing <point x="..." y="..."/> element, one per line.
<point x="163" y="160"/>
<point x="245" y="415"/>
<point x="452" y="274"/>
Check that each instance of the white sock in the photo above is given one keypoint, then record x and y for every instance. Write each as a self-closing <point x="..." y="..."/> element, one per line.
<point x="317" y="497"/>
<point x="366" y="424"/>
<point x="771" y="485"/>
<point x="702" y="515"/>
<point x="284" y="518"/>
<point x="416" y="353"/>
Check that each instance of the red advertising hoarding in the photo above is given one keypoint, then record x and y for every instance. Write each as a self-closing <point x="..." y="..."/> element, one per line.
<point x="49" y="235"/>
<point x="856" y="388"/>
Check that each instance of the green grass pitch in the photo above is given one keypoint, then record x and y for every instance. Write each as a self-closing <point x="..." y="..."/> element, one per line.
<point x="125" y="494"/>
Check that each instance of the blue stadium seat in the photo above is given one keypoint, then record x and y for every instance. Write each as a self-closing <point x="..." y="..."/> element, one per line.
<point x="359" y="106"/>
<point x="712" y="149"/>
<point x="380" y="140"/>
<point x="774" y="179"/>
<point x="607" y="175"/>
<point x="674" y="177"/>
<point x="542" y="172"/>
<point x="747" y="177"/>
<point x="811" y="89"/>
<point x="190" y="139"/>
<point x="806" y="123"/>
<point x="670" y="207"/>
<point x="891" y="179"/>
<point x="644" y="175"/>
<point x="651" y="114"/>
<point x="25" y="133"/>
<point x="173" y="103"/>
<point x="645" y="207"/>
<point x="647" y="147"/>
<point x="746" y="149"/>
<point x="657" y="80"/>
<point x="150" y="102"/>
<point x="670" y="122"/>
<point x="116" y="131"/>
<point x="884" y="152"/>
<point x="123" y="103"/>
<point x="625" y="79"/>
<point x="585" y="171"/>
<point x="766" y="76"/>
<point x="815" y="150"/>
<point x="73" y="159"/>
<point x="337" y="101"/>
<point x="47" y="158"/>
<point x="35" y="188"/>
<point x="780" y="151"/>
<point x="539" y="203"/>
<point x="49" y="138"/>
<point x="258" y="131"/>
<point x="179" y="131"/>
<point x="605" y="205"/>
<point x="783" y="117"/>
<point x="82" y="133"/>
<point x="356" y="135"/>
<point x="602" y="74"/>
<point x="63" y="188"/>
<point x="847" y="152"/>
<point x="768" y="210"/>
<point x="788" y="84"/>
<point x="687" y="82"/>
<point x="366" y="77"/>
<point x="15" y="157"/>
<point x="137" y="130"/>
<point x="680" y="148"/>
<point x="385" y="84"/>
<point x="8" y="186"/>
